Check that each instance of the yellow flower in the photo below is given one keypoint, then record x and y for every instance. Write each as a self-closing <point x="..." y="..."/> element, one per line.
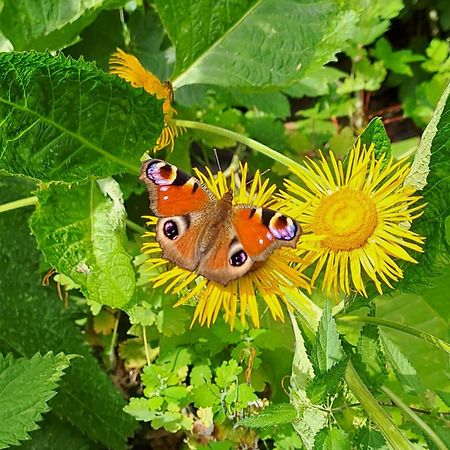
<point x="268" y="281"/>
<point x="355" y="219"/>
<point x="130" y="69"/>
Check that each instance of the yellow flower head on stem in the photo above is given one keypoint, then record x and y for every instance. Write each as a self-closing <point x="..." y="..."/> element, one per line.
<point x="265" y="281"/>
<point x="129" y="68"/>
<point x="355" y="218"/>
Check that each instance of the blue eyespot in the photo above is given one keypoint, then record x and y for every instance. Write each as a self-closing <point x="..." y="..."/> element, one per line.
<point x="238" y="258"/>
<point x="171" y="230"/>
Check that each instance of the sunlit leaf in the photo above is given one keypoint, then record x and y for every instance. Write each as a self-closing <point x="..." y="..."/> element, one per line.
<point x="81" y="232"/>
<point x="66" y="120"/>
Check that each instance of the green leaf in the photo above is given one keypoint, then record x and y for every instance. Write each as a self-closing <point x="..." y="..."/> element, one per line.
<point x="445" y="397"/>
<point x="367" y="77"/>
<point x="99" y="40"/>
<point x="66" y="120"/>
<point x="326" y="385"/>
<point x="429" y="173"/>
<point x="310" y="419"/>
<point x="200" y="375"/>
<point x="205" y="395"/>
<point x="240" y="396"/>
<point x="143" y="408"/>
<point x="376" y="133"/>
<point x="274" y="414"/>
<point x="49" y="25"/>
<point x="81" y="232"/>
<point x="214" y="48"/>
<point x="227" y="373"/>
<point x="429" y="313"/>
<point x="26" y="386"/>
<point x="33" y="320"/>
<point x="327" y="350"/>
<point x="405" y="372"/>
<point x="397" y="62"/>
<point x="331" y="439"/>
<point x="302" y="369"/>
<point x="369" y="360"/>
<point x="369" y="439"/>
<point x="55" y="433"/>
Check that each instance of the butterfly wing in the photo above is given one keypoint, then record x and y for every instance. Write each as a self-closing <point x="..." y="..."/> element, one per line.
<point x="181" y="203"/>
<point x="262" y="230"/>
<point x="172" y="191"/>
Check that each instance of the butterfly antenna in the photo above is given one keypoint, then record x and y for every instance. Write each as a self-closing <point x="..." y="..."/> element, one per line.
<point x="262" y="174"/>
<point x="218" y="160"/>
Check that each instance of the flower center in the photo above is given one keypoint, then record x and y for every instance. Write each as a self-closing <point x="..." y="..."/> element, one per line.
<point x="346" y="218"/>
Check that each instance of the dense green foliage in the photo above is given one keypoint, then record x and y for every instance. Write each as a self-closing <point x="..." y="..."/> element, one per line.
<point x="113" y="364"/>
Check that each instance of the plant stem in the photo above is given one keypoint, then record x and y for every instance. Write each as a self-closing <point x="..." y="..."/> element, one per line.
<point x="375" y="411"/>
<point x="111" y="353"/>
<point x="359" y="389"/>
<point x="439" y="343"/>
<point x="28" y="201"/>
<point x="255" y="145"/>
<point x="415" y="418"/>
<point x="135" y="227"/>
<point x="144" y="336"/>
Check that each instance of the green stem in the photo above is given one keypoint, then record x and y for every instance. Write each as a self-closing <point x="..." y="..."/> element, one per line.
<point x="144" y="337"/>
<point x="415" y="418"/>
<point x="359" y="389"/>
<point x="111" y="352"/>
<point x="439" y="343"/>
<point x="255" y="145"/>
<point x="375" y="411"/>
<point x="135" y="227"/>
<point x="28" y="201"/>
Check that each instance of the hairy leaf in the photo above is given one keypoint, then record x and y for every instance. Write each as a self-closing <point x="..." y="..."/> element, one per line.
<point x="48" y="25"/>
<point x="238" y="43"/>
<point x="81" y="232"/>
<point x="26" y="386"/>
<point x="327" y="384"/>
<point x="32" y="319"/>
<point x="376" y="133"/>
<point x="309" y="418"/>
<point x="274" y="414"/>
<point x="55" y="433"/>
<point x="369" y="360"/>
<point x="403" y="369"/>
<point x="369" y="439"/>
<point x="430" y="172"/>
<point x="66" y="120"/>
<point x="332" y="438"/>
<point x="327" y="350"/>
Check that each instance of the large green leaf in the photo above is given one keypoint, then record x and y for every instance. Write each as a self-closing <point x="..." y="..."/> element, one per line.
<point x="430" y="172"/>
<point x="48" y="25"/>
<point x="26" y="385"/>
<point x="32" y="319"/>
<point x="66" y="120"/>
<point x="55" y="433"/>
<point x="81" y="232"/>
<point x="253" y="43"/>
<point x="427" y="314"/>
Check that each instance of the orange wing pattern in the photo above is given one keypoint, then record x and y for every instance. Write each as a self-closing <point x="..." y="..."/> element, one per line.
<point x="172" y="191"/>
<point x="259" y="229"/>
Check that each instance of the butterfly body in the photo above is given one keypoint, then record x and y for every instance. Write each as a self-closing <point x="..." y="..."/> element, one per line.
<point x="197" y="231"/>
